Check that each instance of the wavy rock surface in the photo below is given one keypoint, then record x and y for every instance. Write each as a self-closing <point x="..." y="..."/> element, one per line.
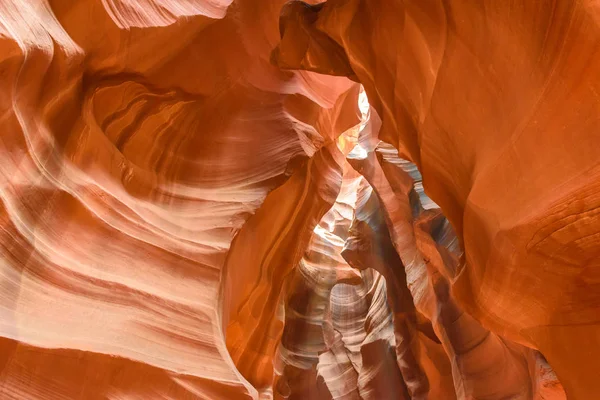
<point x="497" y="105"/>
<point x="134" y="148"/>
<point x="199" y="201"/>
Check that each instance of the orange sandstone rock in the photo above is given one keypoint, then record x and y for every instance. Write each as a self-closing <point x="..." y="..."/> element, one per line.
<point x="196" y="206"/>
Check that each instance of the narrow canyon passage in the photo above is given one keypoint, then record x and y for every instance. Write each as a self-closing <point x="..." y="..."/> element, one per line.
<point x="266" y="200"/>
<point x="367" y="314"/>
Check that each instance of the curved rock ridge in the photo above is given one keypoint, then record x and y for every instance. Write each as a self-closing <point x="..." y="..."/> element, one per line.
<point x="496" y="104"/>
<point x="469" y="361"/>
<point x="342" y="199"/>
<point x="338" y="337"/>
<point x="153" y="13"/>
<point x="307" y="302"/>
<point x="138" y="138"/>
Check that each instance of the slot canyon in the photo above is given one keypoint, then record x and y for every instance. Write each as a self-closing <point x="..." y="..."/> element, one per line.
<point x="273" y="199"/>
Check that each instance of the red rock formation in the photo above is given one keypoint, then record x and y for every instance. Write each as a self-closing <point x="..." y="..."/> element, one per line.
<point x="193" y="207"/>
<point x="496" y="103"/>
<point x="138" y="137"/>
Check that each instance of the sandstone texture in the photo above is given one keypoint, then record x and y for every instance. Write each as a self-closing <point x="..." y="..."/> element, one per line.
<point x="342" y="199"/>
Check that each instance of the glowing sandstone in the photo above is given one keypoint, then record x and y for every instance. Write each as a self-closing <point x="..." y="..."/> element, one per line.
<point x="186" y="214"/>
<point x="130" y="159"/>
<point x="496" y="103"/>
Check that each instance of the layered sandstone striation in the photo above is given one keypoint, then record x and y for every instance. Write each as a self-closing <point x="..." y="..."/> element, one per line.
<point x="496" y="103"/>
<point x="199" y="201"/>
<point x="137" y="139"/>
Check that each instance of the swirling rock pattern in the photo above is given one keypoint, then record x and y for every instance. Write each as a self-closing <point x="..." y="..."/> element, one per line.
<point x="199" y="202"/>
<point x="496" y="103"/>
<point x="134" y="149"/>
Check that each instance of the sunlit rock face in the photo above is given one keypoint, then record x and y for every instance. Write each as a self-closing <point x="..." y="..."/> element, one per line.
<point x="497" y="105"/>
<point x="137" y="139"/>
<point x="350" y="199"/>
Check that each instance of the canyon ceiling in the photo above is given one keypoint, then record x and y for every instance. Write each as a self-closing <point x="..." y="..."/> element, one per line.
<point x="262" y="199"/>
